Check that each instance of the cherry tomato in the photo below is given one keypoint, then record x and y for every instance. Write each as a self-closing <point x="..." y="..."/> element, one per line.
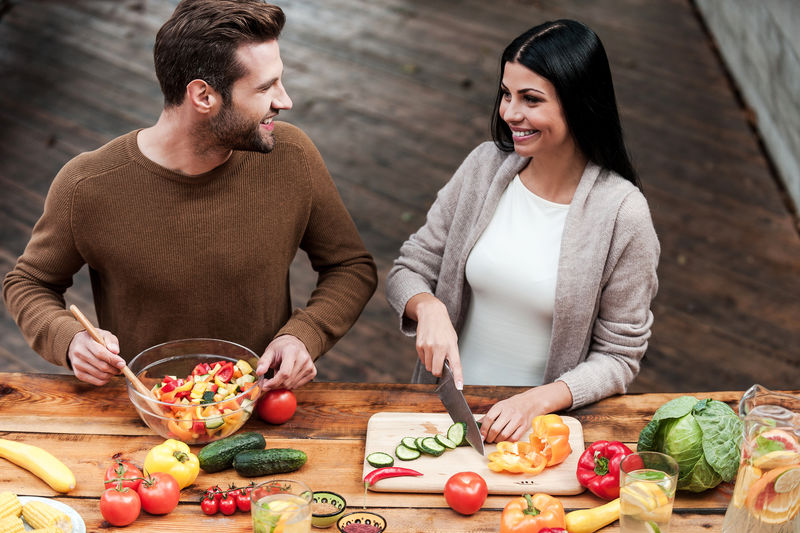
<point x="243" y="501"/>
<point x="209" y="505"/>
<point x="159" y="493"/>
<point x="465" y="492"/>
<point x="124" y="470"/>
<point x="227" y="505"/>
<point x="277" y="406"/>
<point x="120" y="507"/>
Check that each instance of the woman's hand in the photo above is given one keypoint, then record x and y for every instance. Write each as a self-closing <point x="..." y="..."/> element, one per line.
<point x="437" y="341"/>
<point x="509" y="419"/>
<point x="91" y="361"/>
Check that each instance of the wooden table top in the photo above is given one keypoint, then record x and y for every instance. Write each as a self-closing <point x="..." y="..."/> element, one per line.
<point x="86" y="427"/>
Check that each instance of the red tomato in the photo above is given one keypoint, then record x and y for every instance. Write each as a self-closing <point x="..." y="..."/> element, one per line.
<point x="159" y="493"/>
<point x="125" y="470"/>
<point x="209" y="505"/>
<point x="277" y="406"/>
<point x="243" y="502"/>
<point x="227" y="505"/>
<point x="465" y="492"/>
<point x="120" y="507"/>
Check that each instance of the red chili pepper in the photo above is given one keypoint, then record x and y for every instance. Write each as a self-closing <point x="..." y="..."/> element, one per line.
<point x="598" y="468"/>
<point x="388" y="471"/>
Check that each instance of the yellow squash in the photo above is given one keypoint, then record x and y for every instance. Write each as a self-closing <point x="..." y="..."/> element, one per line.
<point x="590" y="520"/>
<point x="40" y="462"/>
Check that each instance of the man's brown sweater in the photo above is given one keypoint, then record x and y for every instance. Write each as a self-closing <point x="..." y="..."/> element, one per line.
<point x="173" y="256"/>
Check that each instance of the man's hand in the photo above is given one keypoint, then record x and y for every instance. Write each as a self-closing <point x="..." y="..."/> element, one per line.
<point x="292" y="363"/>
<point x="91" y="361"/>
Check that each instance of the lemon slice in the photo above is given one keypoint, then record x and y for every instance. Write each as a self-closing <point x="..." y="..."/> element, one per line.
<point x="747" y="476"/>
<point x="281" y="506"/>
<point x="776" y="459"/>
<point x="788" y="480"/>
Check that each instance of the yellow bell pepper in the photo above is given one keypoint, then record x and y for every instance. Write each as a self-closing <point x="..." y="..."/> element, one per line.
<point x="517" y="458"/>
<point x="174" y="458"/>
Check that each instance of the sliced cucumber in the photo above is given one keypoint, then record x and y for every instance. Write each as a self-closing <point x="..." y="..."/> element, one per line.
<point x="379" y="459"/>
<point x="248" y="405"/>
<point x="214" y="422"/>
<point x="409" y="442"/>
<point x="444" y="441"/>
<point x="418" y="443"/>
<point x="457" y="433"/>
<point x="404" y="453"/>
<point x="431" y="447"/>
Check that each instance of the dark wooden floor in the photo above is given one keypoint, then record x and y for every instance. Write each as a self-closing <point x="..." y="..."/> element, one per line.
<point x="395" y="93"/>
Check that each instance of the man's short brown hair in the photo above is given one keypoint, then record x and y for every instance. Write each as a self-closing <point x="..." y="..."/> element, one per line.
<point x="200" y="39"/>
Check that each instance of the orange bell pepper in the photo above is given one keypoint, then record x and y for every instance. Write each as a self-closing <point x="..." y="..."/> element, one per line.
<point x="517" y="458"/>
<point x="550" y="437"/>
<point x="529" y="514"/>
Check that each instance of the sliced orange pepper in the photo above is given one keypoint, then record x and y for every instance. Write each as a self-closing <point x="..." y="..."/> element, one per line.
<point x="550" y="437"/>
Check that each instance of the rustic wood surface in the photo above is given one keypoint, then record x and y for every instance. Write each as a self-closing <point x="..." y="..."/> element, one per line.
<point x="395" y="93"/>
<point x="87" y="427"/>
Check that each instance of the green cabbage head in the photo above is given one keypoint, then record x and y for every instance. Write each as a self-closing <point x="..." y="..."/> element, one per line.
<point x="703" y="436"/>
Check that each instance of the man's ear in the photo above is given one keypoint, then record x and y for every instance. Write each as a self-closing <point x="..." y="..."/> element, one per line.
<point x="202" y="97"/>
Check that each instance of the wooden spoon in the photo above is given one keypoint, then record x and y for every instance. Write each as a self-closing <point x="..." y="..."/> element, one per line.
<point x="125" y="370"/>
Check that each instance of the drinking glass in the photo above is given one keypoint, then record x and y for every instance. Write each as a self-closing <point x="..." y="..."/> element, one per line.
<point x="281" y="506"/>
<point x="647" y="492"/>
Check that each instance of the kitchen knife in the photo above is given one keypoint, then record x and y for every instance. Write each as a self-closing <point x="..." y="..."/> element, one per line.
<point x="456" y="405"/>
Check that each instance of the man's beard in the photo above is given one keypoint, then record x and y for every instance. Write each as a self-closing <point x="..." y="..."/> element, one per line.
<point x="230" y="131"/>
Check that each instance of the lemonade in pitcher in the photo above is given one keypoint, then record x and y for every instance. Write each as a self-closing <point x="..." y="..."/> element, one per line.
<point x="766" y="496"/>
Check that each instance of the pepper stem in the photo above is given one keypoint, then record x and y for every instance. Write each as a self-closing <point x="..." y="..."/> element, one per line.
<point x="531" y="510"/>
<point x="182" y="457"/>
<point x="600" y="464"/>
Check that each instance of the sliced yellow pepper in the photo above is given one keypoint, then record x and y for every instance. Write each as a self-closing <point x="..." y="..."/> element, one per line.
<point x="517" y="458"/>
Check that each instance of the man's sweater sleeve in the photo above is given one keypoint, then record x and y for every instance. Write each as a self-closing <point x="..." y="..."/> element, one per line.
<point x="347" y="276"/>
<point x="34" y="290"/>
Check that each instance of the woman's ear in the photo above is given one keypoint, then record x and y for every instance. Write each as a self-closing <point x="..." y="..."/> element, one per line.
<point x="202" y="97"/>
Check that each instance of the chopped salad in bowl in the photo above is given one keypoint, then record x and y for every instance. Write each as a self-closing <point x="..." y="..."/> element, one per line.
<point x="202" y="389"/>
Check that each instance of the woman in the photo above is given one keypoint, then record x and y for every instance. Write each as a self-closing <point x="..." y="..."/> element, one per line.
<point x="537" y="262"/>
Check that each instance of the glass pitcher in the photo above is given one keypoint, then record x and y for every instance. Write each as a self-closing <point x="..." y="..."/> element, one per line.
<point x="766" y="497"/>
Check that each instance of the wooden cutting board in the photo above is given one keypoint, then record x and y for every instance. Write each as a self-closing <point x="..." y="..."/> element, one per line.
<point x="385" y="430"/>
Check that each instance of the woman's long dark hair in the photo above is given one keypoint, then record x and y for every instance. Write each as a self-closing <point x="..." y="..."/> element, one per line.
<point x="571" y="57"/>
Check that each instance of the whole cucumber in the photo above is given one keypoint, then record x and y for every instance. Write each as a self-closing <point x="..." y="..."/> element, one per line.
<point x="219" y="455"/>
<point x="252" y="463"/>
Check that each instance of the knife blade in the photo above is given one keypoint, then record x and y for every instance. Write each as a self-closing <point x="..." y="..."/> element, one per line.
<point x="457" y="407"/>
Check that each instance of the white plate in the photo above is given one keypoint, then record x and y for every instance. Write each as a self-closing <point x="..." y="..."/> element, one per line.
<point x="77" y="522"/>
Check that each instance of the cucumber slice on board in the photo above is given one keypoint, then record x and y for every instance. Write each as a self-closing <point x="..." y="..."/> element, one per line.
<point x="457" y="433"/>
<point x="431" y="447"/>
<point x="404" y="453"/>
<point x="409" y="442"/>
<point x="379" y="459"/>
<point x="444" y="441"/>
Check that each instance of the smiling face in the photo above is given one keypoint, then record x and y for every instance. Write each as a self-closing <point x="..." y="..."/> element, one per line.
<point x="246" y="123"/>
<point x="531" y="108"/>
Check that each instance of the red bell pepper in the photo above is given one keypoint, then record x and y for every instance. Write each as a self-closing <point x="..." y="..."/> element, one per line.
<point x="598" y="468"/>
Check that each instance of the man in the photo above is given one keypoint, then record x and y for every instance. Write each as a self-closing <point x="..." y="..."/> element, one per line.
<point x="189" y="227"/>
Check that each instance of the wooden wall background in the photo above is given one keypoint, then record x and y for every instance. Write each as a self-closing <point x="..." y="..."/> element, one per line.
<point x="395" y="93"/>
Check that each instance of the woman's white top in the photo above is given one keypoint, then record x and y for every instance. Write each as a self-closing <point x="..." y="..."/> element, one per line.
<point x="512" y="271"/>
